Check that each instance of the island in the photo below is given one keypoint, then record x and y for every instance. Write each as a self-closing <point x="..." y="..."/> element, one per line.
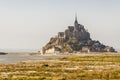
<point x="74" y="39"/>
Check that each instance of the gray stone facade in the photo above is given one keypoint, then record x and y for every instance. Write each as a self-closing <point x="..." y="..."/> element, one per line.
<point x="77" y="31"/>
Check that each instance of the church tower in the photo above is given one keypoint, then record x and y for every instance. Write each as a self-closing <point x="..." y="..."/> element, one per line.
<point x="76" y="25"/>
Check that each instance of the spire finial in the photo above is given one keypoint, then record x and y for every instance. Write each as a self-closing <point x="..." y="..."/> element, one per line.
<point x="75" y="16"/>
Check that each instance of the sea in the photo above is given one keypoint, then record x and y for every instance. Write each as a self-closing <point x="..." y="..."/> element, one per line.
<point x="15" y="57"/>
<point x="12" y="58"/>
<point x="19" y="55"/>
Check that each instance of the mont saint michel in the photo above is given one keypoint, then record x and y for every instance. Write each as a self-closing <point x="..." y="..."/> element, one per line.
<point x="74" y="39"/>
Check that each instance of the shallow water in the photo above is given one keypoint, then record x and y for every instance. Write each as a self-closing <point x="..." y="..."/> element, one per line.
<point x="18" y="57"/>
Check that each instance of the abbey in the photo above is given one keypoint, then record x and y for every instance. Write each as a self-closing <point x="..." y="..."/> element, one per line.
<point x="77" y="31"/>
<point x="74" y="39"/>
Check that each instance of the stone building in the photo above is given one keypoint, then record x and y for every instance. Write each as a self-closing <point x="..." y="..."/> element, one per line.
<point x="74" y="38"/>
<point x="109" y="49"/>
<point x="85" y="49"/>
<point x="77" y="31"/>
<point x="52" y="50"/>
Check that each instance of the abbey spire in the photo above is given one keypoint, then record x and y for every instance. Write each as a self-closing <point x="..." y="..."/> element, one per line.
<point x="76" y="25"/>
<point x="76" y="18"/>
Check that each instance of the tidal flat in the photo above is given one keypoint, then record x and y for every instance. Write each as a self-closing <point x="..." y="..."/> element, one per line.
<point x="73" y="67"/>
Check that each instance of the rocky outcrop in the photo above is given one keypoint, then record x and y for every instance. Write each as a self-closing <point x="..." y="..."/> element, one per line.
<point x="3" y="53"/>
<point x="75" y="38"/>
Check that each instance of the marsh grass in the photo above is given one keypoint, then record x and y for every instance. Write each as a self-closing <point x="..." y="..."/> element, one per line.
<point x="68" y="68"/>
<point x="94" y="58"/>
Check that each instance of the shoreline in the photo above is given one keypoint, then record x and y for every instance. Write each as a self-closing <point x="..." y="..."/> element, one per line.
<point x="78" y="53"/>
<point x="16" y="58"/>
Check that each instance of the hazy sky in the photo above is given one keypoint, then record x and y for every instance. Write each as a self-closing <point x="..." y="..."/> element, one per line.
<point x="29" y="24"/>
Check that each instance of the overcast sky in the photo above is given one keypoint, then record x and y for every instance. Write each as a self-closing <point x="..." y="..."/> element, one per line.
<point x="29" y="24"/>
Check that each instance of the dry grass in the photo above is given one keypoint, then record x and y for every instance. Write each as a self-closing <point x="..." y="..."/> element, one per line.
<point x="69" y="68"/>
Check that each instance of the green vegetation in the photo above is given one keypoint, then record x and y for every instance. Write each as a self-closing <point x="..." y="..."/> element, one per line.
<point x="67" y="68"/>
<point x="94" y="58"/>
<point x="66" y="48"/>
